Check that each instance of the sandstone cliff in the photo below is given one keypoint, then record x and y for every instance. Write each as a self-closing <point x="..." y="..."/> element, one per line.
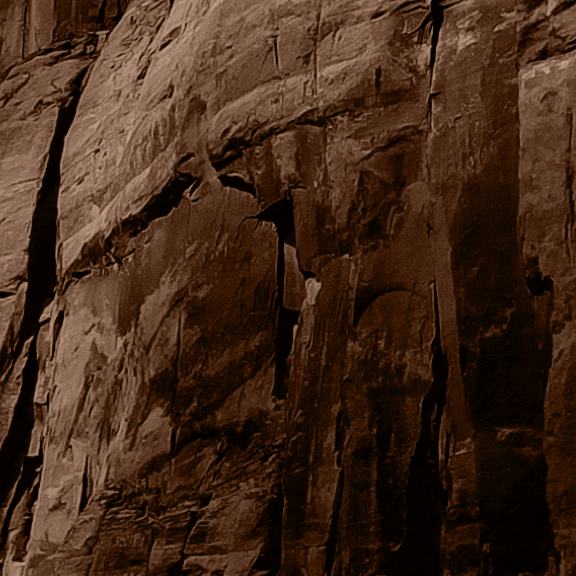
<point x="287" y="287"/>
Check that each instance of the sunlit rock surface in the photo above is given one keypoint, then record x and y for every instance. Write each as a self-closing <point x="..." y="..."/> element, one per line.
<point x="287" y="288"/>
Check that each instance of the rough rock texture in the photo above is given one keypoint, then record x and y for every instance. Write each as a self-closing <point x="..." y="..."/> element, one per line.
<point x="287" y="288"/>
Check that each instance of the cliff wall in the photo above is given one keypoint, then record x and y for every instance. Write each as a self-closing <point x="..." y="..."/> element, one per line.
<point x="287" y="288"/>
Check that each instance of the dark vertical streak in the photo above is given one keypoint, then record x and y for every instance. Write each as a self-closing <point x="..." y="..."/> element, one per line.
<point x="269" y="559"/>
<point x="436" y="17"/>
<point x="25" y="27"/>
<point x="176" y="568"/>
<point x="420" y="552"/>
<point x="15" y="463"/>
<point x="316" y="42"/>
<point x="276" y="55"/>
<point x="332" y="540"/>
<point x="281" y="214"/>
<point x="102" y="12"/>
<point x="569" y="183"/>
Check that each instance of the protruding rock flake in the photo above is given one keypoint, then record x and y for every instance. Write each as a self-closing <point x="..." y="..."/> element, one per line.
<point x="287" y="288"/>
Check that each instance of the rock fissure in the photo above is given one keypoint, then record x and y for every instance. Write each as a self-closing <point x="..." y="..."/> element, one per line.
<point x="20" y="468"/>
<point x="436" y="19"/>
<point x="14" y="448"/>
<point x="27" y="489"/>
<point x="116" y="247"/>
<point x="332" y="540"/>
<point x="102" y="11"/>
<point x="24" y="25"/>
<point x="281" y="214"/>
<point x="317" y="41"/>
<point x="270" y="556"/>
<point x="177" y="569"/>
<point x="237" y="182"/>
<point x="420" y="551"/>
<point x="41" y="273"/>
<point x="316" y="117"/>
<point x="569" y="183"/>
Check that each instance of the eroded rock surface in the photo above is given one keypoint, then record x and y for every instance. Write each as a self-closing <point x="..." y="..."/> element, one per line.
<point x="286" y="288"/>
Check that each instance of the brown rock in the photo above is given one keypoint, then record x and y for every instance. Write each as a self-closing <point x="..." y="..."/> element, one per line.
<point x="286" y="288"/>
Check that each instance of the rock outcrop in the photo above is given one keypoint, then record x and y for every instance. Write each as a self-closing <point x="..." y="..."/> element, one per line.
<point x="286" y="288"/>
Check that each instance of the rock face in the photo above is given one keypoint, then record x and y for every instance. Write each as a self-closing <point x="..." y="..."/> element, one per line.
<point x="287" y="288"/>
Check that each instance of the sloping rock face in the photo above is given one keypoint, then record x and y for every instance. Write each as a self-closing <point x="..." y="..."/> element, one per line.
<point x="287" y="288"/>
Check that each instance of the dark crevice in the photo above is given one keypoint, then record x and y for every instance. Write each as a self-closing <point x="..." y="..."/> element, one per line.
<point x="18" y="469"/>
<point x="420" y="552"/>
<point x="17" y="441"/>
<point x="236" y="182"/>
<point x="56" y="329"/>
<point x="538" y="284"/>
<point x="232" y="151"/>
<point x="276" y="54"/>
<point x="102" y="12"/>
<point x="87" y="488"/>
<point x="157" y="207"/>
<point x="42" y="246"/>
<point x="185" y="158"/>
<point x="28" y="488"/>
<point x="342" y="426"/>
<point x="307" y="274"/>
<point x="100" y="253"/>
<point x="73" y="277"/>
<point x="332" y="540"/>
<point x="28" y="484"/>
<point x="434" y="19"/>
<point x="378" y="80"/>
<point x="569" y="182"/>
<point x="108" y="22"/>
<point x="25" y="27"/>
<point x="79" y="274"/>
<point x="269" y="560"/>
<point x="362" y="304"/>
<point x="121" y="6"/>
<point x="7" y="294"/>
<point x="287" y="320"/>
<point x="228" y="157"/>
<point x="83" y="494"/>
<point x="379" y="14"/>
<point x="177" y="569"/>
<point x="281" y="214"/>
<point x="562" y="6"/>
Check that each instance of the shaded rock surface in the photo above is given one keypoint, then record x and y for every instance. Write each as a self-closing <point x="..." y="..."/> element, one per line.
<point x="286" y="288"/>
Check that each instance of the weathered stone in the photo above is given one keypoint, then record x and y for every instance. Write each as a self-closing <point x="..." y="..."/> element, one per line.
<point x="286" y="288"/>
<point x="29" y="26"/>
